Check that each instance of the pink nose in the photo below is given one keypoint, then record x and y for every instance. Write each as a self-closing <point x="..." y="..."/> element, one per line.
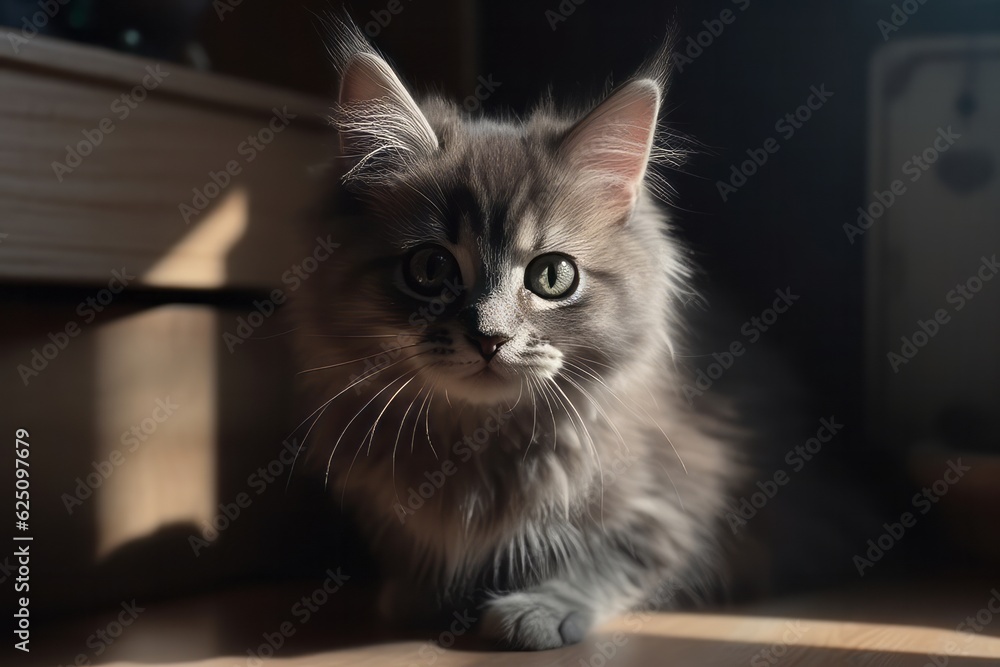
<point x="488" y="345"/>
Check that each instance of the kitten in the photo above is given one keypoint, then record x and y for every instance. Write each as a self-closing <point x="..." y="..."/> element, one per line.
<point x="493" y="345"/>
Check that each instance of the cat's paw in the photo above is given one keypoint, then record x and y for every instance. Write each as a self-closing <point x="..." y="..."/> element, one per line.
<point x="534" y="621"/>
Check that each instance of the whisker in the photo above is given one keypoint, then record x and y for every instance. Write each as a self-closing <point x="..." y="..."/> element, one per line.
<point x="363" y="378"/>
<point x="399" y="432"/>
<point x="545" y="395"/>
<point x="416" y="422"/>
<point x="599" y="407"/>
<point x="670" y="479"/>
<point x="361" y="445"/>
<point x="534" y="406"/>
<point x="399" y="335"/>
<point x="320" y="335"/>
<point x="645" y="383"/>
<point x="593" y="446"/>
<point x="371" y="440"/>
<point x="427" y="426"/>
<point x="354" y="361"/>
<point x="651" y="420"/>
<point x="586" y="345"/>
<point x="531" y="438"/>
<point x="520" y="388"/>
<point x="566" y="402"/>
<point x="356" y="415"/>
<point x="322" y="409"/>
<point x="589" y="373"/>
<point x="621" y="439"/>
<point x="283" y="333"/>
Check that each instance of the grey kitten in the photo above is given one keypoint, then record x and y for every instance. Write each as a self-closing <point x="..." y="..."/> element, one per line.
<point x="493" y="346"/>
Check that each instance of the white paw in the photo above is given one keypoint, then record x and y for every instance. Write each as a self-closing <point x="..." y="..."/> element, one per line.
<point x="534" y="621"/>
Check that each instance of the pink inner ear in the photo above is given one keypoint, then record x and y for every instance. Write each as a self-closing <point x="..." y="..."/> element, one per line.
<point x="364" y="80"/>
<point x="614" y="141"/>
<point x="379" y="117"/>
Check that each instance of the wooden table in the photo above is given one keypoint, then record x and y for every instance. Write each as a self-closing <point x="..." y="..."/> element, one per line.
<point x="884" y="625"/>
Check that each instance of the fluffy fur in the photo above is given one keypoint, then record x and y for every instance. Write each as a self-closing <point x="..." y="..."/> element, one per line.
<point x="558" y="479"/>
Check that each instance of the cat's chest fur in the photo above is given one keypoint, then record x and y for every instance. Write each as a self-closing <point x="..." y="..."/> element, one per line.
<point x="513" y="489"/>
<point x="459" y="480"/>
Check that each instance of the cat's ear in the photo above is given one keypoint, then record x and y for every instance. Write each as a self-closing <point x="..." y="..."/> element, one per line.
<point x="381" y="127"/>
<point x="611" y="146"/>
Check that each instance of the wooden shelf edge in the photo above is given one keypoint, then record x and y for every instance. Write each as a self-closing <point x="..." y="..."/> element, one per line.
<point x="81" y="61"/>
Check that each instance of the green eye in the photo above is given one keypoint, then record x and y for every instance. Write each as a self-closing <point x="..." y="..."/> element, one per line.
<point x="551" y="276"/>
<point x="427" y="268"/>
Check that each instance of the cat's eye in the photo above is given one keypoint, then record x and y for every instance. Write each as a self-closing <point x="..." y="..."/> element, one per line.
<point x="551" y="276"/>
<point x="427" y="269"/>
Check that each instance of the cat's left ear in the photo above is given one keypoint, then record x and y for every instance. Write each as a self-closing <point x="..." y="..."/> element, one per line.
<point x="382" y="129"/>
<point x="611" y="146"/>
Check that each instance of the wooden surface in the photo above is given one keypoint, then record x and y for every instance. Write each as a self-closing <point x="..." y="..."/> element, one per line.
<point x="58" y="57"/>
<point x="120" y="204"/>
<point x="899" y="625"/>
<point x="120" y="483"/>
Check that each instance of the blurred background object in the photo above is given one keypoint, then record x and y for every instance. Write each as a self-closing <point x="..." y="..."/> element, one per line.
<point x="164" y="29"/>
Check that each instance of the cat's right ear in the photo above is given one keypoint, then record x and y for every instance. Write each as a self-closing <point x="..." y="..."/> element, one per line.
<point x="381" y="127"/>
<point x="611" y="146"/>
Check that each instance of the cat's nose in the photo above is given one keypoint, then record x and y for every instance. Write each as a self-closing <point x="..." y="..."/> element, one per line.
<point x="488" y="345"/>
